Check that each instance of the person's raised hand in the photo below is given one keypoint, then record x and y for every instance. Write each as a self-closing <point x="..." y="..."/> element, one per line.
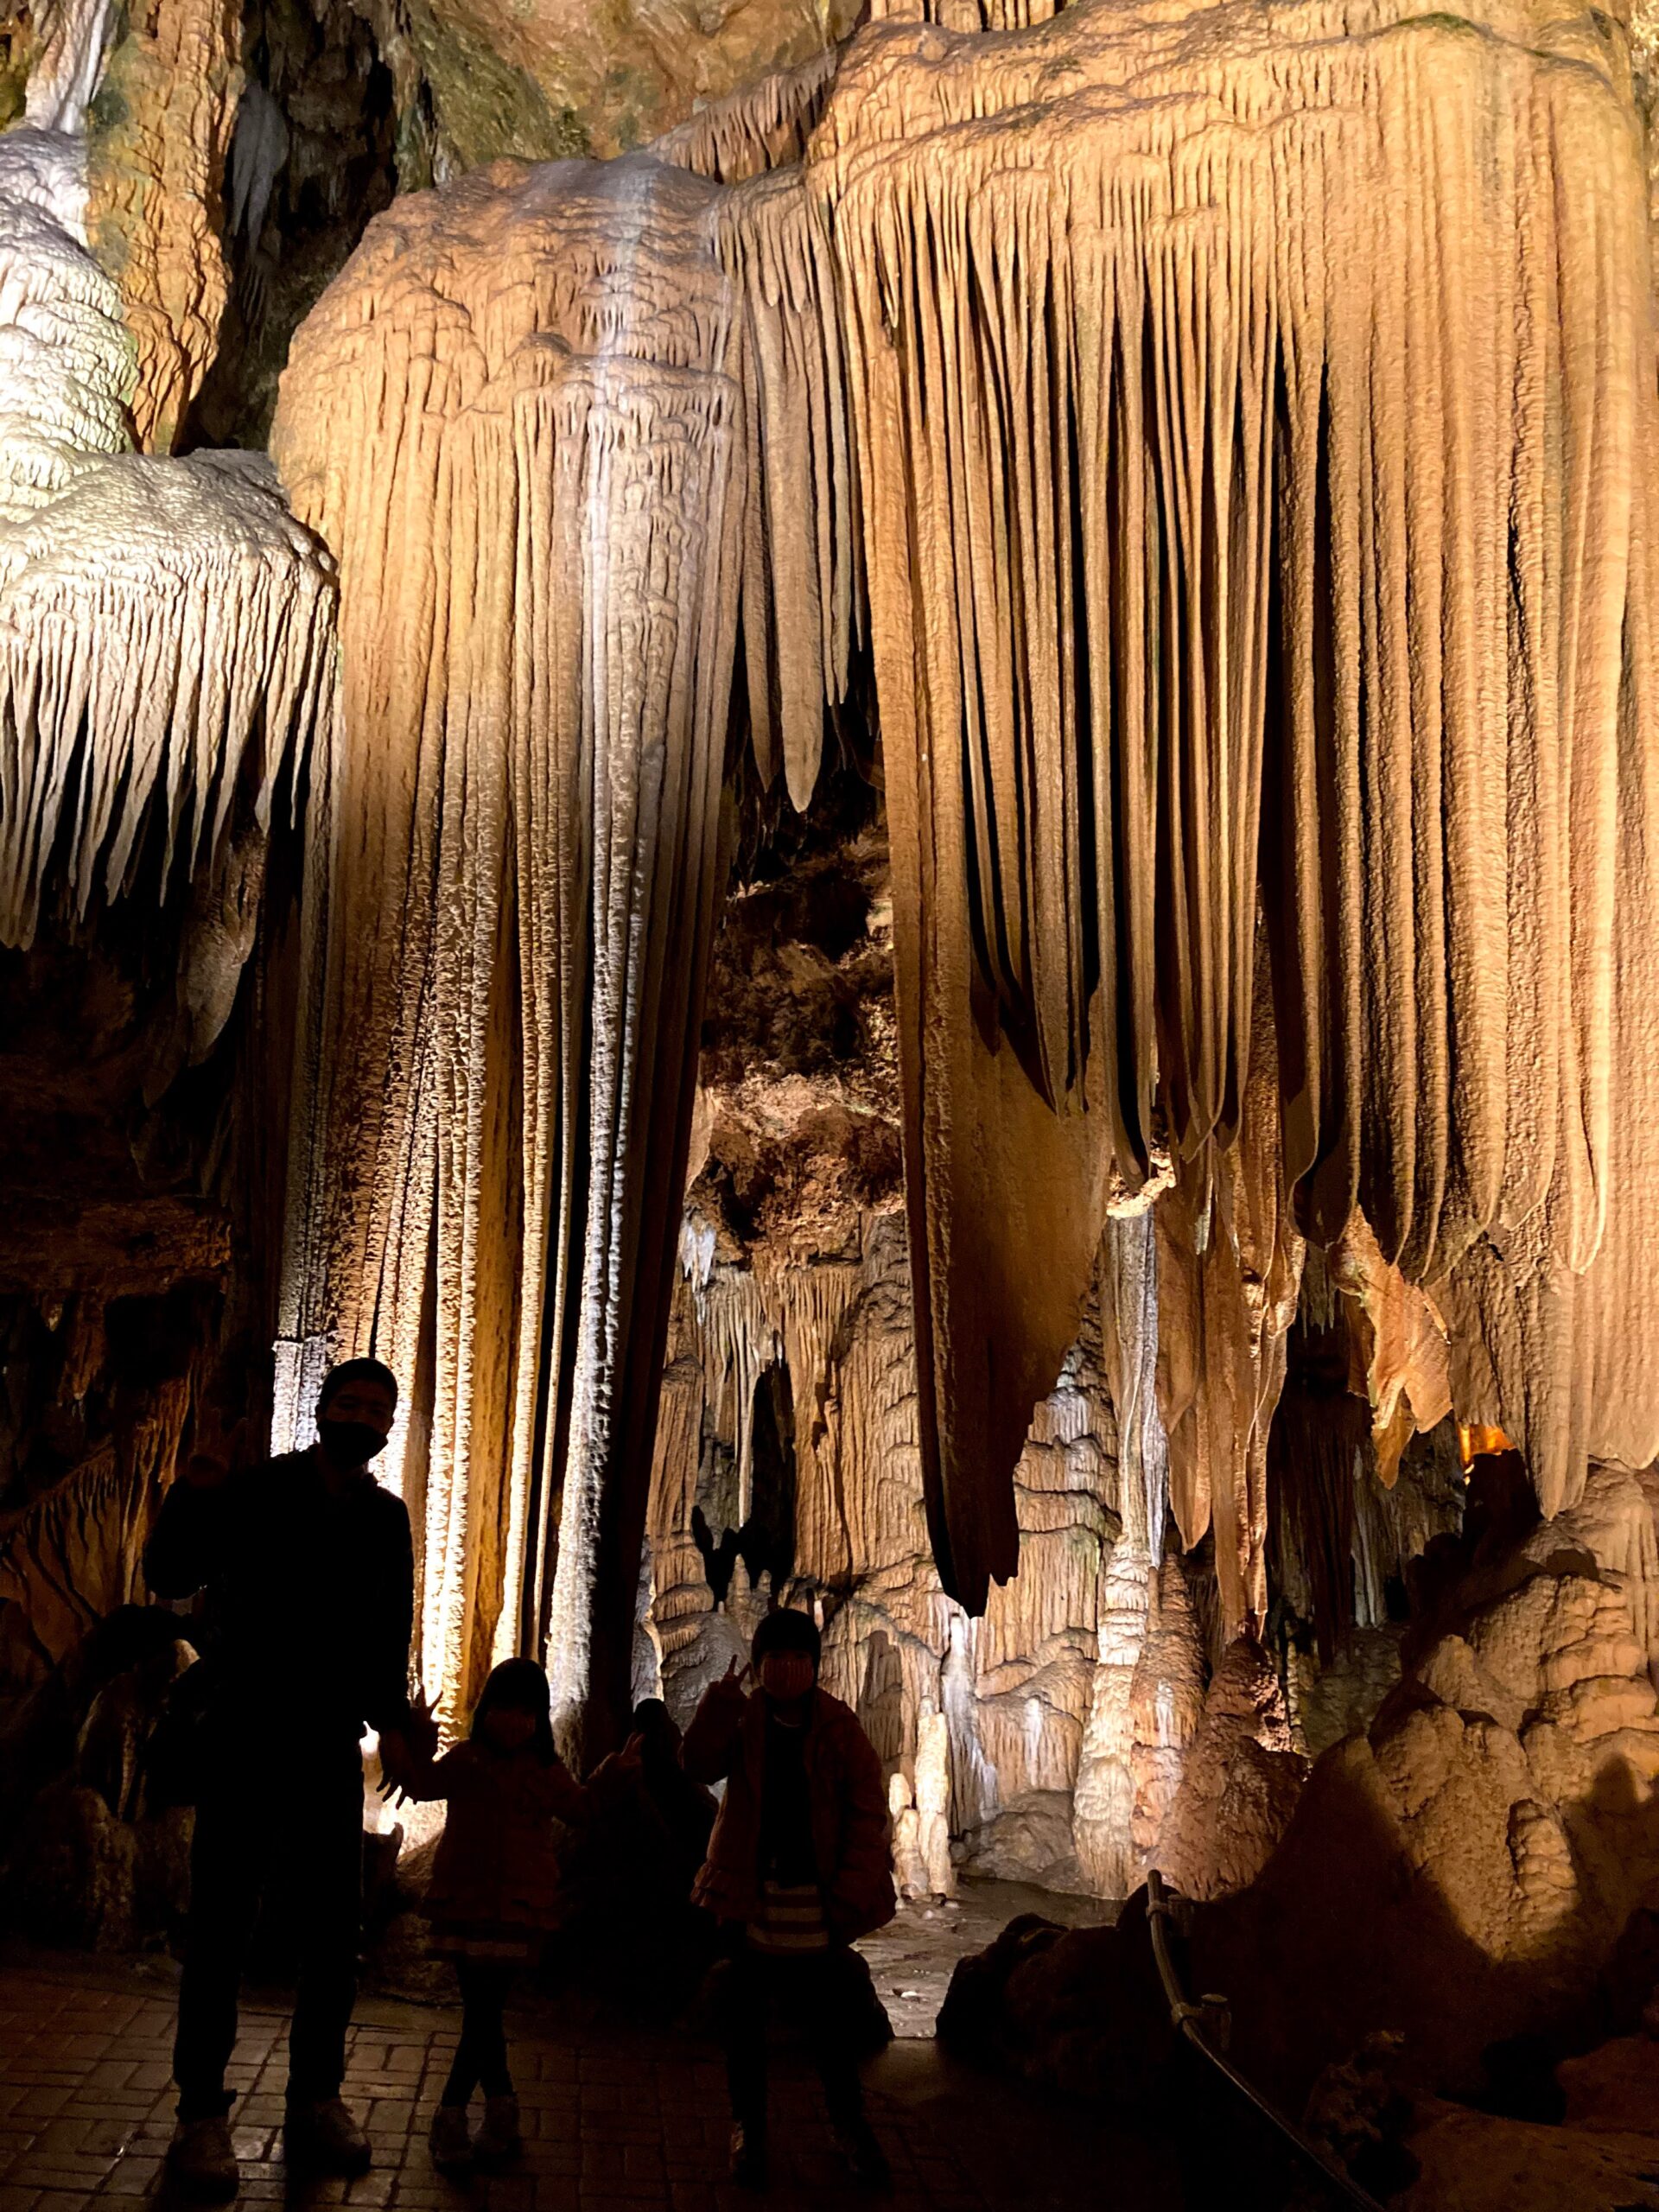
<point x="420" y="1730"/>
<point x="729" y="1689"/>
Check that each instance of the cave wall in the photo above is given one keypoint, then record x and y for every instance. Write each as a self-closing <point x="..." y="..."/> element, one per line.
<point x="1058" y="1731"/>
<point x="1261" y="943"/>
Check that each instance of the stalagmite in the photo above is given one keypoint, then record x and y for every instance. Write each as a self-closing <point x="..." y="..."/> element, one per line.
<point x="933" y="1800"/>
<point x="1241" y="1781"/>
<point x="512" y="416"/>
<point x="1103" y="1799"/>
<point x="1229" y="1265"/>
<point x="1166" y="1694"/>
<point x="1237" y="528"/>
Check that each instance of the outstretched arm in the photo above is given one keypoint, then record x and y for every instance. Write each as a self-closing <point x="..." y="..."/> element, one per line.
<point x="409" y="1758"/>
<point x="418" y="1774"/>
<point x="710" y="1751"/>
<point x="575" y="1802"/>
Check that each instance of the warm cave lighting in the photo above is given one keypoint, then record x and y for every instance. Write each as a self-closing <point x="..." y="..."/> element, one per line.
<point x="913" y="840"/>
<point x="1477" y="1441"/>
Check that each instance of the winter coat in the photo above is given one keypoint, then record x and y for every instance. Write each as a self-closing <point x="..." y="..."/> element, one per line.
<point x="497" y="1863"/>
<point x="850" y="1841"/>
<point x="310" y="1598"/>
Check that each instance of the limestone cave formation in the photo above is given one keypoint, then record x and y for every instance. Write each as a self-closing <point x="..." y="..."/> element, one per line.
<point x="890" y="781"/>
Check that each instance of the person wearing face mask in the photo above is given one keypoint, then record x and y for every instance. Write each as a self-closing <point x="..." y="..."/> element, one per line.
<point x="799" y="1866"/>
<point x="495" y="1888"/>
<point x="308" y="1571"/>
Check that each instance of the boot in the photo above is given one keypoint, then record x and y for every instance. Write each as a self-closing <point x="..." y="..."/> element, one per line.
<point x="324" y="2138"/>
<point x="499" y="2140"/>
<point x="452" y="2146"/>
<point x="201" y="2160"/>
<point x="748" y="2159"/>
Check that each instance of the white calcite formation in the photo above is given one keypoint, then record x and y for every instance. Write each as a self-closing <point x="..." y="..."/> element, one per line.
<point x="166" y="630"/>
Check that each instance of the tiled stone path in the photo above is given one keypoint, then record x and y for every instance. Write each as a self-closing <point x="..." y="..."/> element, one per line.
<point x="615" y="2122"/>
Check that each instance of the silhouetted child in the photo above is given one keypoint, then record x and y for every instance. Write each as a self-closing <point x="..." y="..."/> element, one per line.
<point x="798" y="1867"/>
<point x="684" y="1808"/>
<point x="630" y="1926"/>
<point x="495" y="1891"/>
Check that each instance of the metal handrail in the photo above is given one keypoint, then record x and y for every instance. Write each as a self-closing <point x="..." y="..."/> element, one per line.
<point x="1185" y="2018"/>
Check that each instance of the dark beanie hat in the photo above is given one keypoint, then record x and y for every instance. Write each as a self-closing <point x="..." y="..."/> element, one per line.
<point x="356" y="1371"/>
<point x="787" y="1630"/>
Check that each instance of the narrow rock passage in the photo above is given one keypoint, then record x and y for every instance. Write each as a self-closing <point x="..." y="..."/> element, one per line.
<point x="615" y="2121"/>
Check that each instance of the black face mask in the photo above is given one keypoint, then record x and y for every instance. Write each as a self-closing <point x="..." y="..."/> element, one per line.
<point x="347" y="1444"/>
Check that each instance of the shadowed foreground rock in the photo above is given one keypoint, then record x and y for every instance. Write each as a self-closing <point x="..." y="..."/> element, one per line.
<point x="1481" y="1867"/>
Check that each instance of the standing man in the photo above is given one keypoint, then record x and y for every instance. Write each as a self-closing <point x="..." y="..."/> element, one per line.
<point x="308" y="1571"/>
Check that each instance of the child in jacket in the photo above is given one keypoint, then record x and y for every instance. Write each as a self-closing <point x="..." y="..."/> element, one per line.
<point x="799" y="1866"/>
<point x="494" y="1890"/>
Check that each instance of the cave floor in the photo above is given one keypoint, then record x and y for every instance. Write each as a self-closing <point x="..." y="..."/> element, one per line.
<point x="912" y="1958"/>
<point x="616" y="2119"/>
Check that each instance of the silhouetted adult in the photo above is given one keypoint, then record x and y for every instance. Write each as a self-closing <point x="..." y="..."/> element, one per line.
<point x="308" y="1572"/>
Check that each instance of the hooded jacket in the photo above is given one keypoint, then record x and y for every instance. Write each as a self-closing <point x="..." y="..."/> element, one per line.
<point x="851" y="1840"/>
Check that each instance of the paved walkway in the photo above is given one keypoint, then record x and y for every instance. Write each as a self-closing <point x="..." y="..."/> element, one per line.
<point x="615" y="2121"/>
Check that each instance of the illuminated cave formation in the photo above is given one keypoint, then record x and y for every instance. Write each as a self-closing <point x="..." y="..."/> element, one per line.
<point x="1255" y="579"/>
<point x="973" y="935"/>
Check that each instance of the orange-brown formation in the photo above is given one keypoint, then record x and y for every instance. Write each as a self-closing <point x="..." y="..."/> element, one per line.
<point x="762" y="126"/>
<point x="1254" y="561"/>
<point x="514" y="417"/>
<point x="156" y="186"/>
<point x="802" y="567"/>
<point x="1254" y="431"/>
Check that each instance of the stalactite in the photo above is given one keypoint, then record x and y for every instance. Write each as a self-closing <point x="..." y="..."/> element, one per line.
<point x="512" y="416"/>
<point x="802" y="580"/>
<point x="968" y="15"/>
<point x="1229" y="1265"/>
<point x="763" y="126"/>
<point x="166" y="630"/>
<point x="64" y="74"/>
<point x="1400" y="1339"/>
<point x="1250" y="676"/>
<point x="1185" y="425"/>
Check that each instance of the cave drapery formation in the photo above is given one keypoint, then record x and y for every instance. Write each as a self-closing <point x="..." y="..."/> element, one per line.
<point x="1254" y="560"/>
<point x="523" y="860"/>
<point x="1255" y="568"/>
